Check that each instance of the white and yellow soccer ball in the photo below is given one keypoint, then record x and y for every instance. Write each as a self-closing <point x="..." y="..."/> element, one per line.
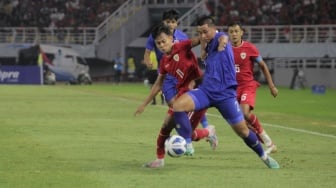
<point x="175" y="146"/>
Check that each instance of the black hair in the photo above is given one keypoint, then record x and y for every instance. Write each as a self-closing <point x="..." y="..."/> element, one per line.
<point x="235" y="23"/>
<point x="170" y="14"/>
<point x="161" y="28"/>
<point x="206" y="20"/>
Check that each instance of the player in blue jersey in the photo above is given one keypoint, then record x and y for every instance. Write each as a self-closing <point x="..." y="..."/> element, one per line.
<point x="170" y="91"/>
<point x="218" y="90"/>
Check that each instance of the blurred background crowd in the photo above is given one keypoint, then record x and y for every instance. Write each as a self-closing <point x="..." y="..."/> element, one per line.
<point x="274" y="12"/>
<point x="55" y="13"/>
<point x="89" y="13"/>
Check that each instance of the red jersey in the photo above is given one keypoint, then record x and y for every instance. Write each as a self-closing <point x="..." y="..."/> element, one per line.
<point x="244" y="56"/>
<point x="182" y="64"/>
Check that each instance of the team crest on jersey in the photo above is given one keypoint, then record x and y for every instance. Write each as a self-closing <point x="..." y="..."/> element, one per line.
<point x="243" y="55"/>
<point x="176" y="57"/>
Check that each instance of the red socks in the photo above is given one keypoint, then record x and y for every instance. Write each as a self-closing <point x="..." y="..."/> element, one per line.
<point x="163" y="135"/>
<point x="253" y="120"/>
<point x="198" y="134"/>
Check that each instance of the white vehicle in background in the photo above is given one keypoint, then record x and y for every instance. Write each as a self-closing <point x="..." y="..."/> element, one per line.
<point x="65" y="63"/>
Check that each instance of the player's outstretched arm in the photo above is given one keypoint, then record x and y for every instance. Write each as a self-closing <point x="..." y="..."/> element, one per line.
<point x="156" y="88"/>
<point x="268" y="77"/>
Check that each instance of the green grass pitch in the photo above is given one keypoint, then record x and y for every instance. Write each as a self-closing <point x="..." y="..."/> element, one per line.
<point x="87" y="136"/>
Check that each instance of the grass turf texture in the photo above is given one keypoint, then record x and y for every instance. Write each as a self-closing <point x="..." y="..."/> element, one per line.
<point x="87" y="136"/>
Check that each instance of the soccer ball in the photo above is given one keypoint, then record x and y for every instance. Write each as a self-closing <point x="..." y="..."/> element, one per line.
<point x="175" y="146"/>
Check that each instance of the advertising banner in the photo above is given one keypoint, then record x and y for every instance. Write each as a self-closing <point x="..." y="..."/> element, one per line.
<point x="20" y="75"/>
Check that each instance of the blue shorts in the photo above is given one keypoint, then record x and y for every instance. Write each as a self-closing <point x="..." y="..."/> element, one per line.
<point x="229" y="108"/>
<point x="169" y="87"/>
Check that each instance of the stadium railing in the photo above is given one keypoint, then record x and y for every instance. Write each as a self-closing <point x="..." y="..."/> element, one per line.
<point x="91" y="35"/>
<point x="282" y="33"/>
<point x="67" y="35"/>
<point x="170" y="3"/>
<point x="128" y="8"/>
<point x="304" y="72"/>
<point x="303" y="63"/>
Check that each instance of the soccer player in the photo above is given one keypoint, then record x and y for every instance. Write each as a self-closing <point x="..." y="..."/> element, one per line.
<point x="168" y="88"/>
<point x="218" y="89"/>
<point x="169" y="18"/>
<point x="180" y="62"/>
<point x="245" y="56"/>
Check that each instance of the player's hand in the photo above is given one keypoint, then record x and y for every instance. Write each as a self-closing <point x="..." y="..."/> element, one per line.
<point x="274" y="91"/>
<point x="140" y="109"/>
<point x="149" y="64"/>
<point x="222" y="41"/>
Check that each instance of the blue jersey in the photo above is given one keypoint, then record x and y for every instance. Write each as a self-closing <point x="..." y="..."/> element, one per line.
<point x="220" y="73"/>
<point x="218" y="88"/>
<point x="150" y="45"/>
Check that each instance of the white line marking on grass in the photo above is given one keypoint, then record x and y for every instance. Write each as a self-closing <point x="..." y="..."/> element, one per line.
<point x="218" y="116"/>
<point x="289" y="128"/>
<point x="301" y="130"/>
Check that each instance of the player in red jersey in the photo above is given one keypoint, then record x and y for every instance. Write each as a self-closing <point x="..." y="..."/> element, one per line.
<point x="246" y="55"/>
<point x="180" y="62"/>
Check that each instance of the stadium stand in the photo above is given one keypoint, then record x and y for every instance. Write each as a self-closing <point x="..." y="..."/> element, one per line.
<point x="300" y="33"/>
<point x="55" y="13"/>
<point x="53" y="21"/>
<point x="270" y="12"/>
<point x="83" y="21"/>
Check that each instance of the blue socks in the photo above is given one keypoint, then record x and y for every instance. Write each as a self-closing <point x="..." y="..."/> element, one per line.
<point x="204" y="121"/>
<point x="252" y="141"/>
<point x="183" y="126"/>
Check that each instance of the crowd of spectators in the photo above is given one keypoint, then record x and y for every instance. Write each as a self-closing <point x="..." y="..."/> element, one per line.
<point x="89" y="13"/>
<point x="55" y="13"/>
<point x="274" y="12"/>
